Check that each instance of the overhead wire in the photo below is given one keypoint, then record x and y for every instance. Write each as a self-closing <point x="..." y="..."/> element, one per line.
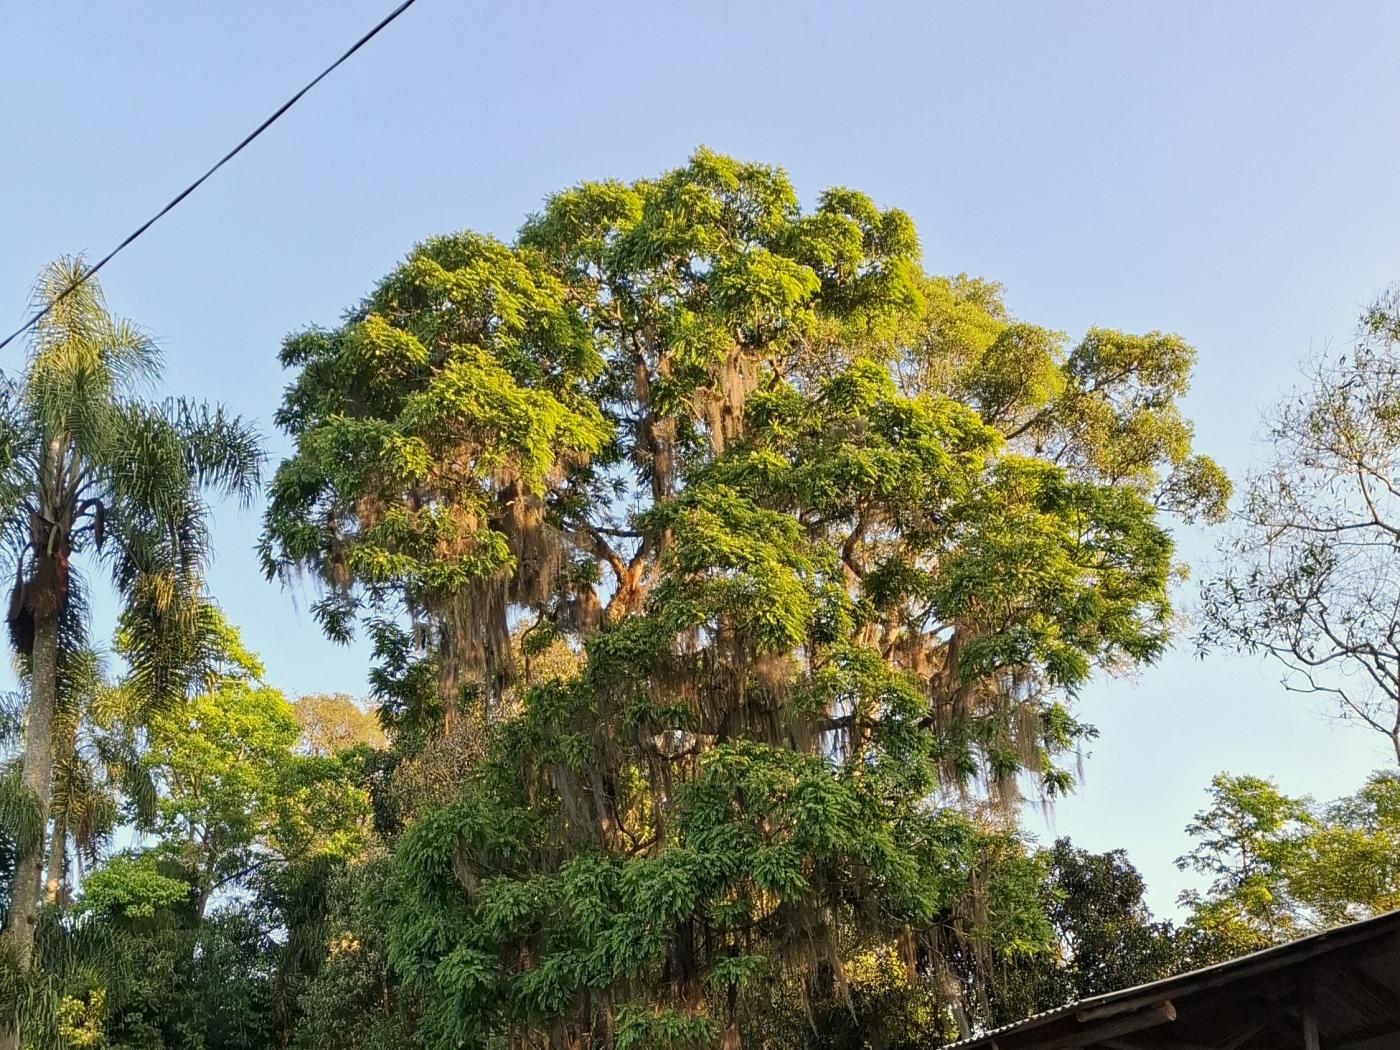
<point x="92" y="270"/>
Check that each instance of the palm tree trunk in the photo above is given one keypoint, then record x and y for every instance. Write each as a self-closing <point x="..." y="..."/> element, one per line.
<point x="56" y="880"/>
<point x="57" y="875"/>
<point x="37" y="776"/>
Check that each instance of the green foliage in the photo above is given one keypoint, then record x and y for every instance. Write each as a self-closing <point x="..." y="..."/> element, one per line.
<point x="235" y="794"/>
<point x="1246" y="844"/>
<point x="824" y="537"/>
<point x="131" y="886"/>
<point x="182" y="984"/>
<point x="20" y="815"/>
<point x="353" y="978"/>
<point x="469" y="368"/>
<point x="1281" y="867"/>
<point x="1104" y="938"/>
<point x="244" y="819"/>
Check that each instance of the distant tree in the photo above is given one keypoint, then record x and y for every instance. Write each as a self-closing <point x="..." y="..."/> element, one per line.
<point x="1281" y="867"/>
<point x="209" y="927"/>
<point x="161" y="978"/>
<point x="235" y="797"/>
<point x="1349" y="868"/>
<point x="88" y="467"/>
<point x="1104" y="937"/>
<point x="1311" y="572"/>
<point x="354" y="977"/>
<point x="333" y="722"/>
<point x="1107" y="936"/>
<point x="1247" y="843"/>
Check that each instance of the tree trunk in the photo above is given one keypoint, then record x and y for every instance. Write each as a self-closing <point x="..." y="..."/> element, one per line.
<point x="37" y="776"/>
<point x="56" y="881"/>
<point x="57" y="876"/>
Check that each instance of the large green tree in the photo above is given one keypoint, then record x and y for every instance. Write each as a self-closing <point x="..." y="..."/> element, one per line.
<point x="90" y="468"/>
<point x="831" y="538"/>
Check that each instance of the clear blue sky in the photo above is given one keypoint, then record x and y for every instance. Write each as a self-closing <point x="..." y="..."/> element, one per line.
<point x="1229" y="173"/>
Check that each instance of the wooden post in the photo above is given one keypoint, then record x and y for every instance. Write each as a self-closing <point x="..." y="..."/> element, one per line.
<point x="1309" y="1014"/>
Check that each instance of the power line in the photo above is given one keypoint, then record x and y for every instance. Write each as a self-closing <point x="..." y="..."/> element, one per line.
<point x="91" y="270"/>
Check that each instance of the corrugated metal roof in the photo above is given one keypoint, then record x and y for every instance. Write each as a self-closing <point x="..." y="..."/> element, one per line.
<point x="1025" y="1022"/>
<point x="1186" y="982"/>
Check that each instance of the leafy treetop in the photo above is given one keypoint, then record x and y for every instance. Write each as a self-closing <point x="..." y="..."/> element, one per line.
<point x="827" y="536"/>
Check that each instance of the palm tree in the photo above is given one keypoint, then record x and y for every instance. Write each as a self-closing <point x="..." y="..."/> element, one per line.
<point x="97" y="764"/>
<point x="96" y="767"/>
<point x="90" y="468"/>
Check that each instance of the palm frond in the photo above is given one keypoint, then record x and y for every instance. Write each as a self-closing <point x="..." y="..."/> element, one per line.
<point x="69" y="956"/>
<point x="146" y="473"/>
<point x="12" y="708"/>
<point x="21" y="818"/>
<point x="224" y="452"/>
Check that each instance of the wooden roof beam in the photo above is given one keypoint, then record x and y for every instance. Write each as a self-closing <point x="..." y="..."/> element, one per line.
<point x="1162" y="1013"/>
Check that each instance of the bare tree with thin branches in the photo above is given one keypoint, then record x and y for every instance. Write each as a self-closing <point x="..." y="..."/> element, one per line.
<point x="1311" y="567"/>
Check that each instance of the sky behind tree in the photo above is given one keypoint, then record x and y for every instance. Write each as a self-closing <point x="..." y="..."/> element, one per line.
<point x="1225" y="174"/>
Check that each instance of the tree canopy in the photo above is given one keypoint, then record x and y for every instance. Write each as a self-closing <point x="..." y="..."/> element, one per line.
<point x="831" y="539"/>
<point x="1281" y="867"/>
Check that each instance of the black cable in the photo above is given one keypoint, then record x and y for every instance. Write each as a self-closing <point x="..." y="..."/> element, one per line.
<point x="91" y="270"/>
